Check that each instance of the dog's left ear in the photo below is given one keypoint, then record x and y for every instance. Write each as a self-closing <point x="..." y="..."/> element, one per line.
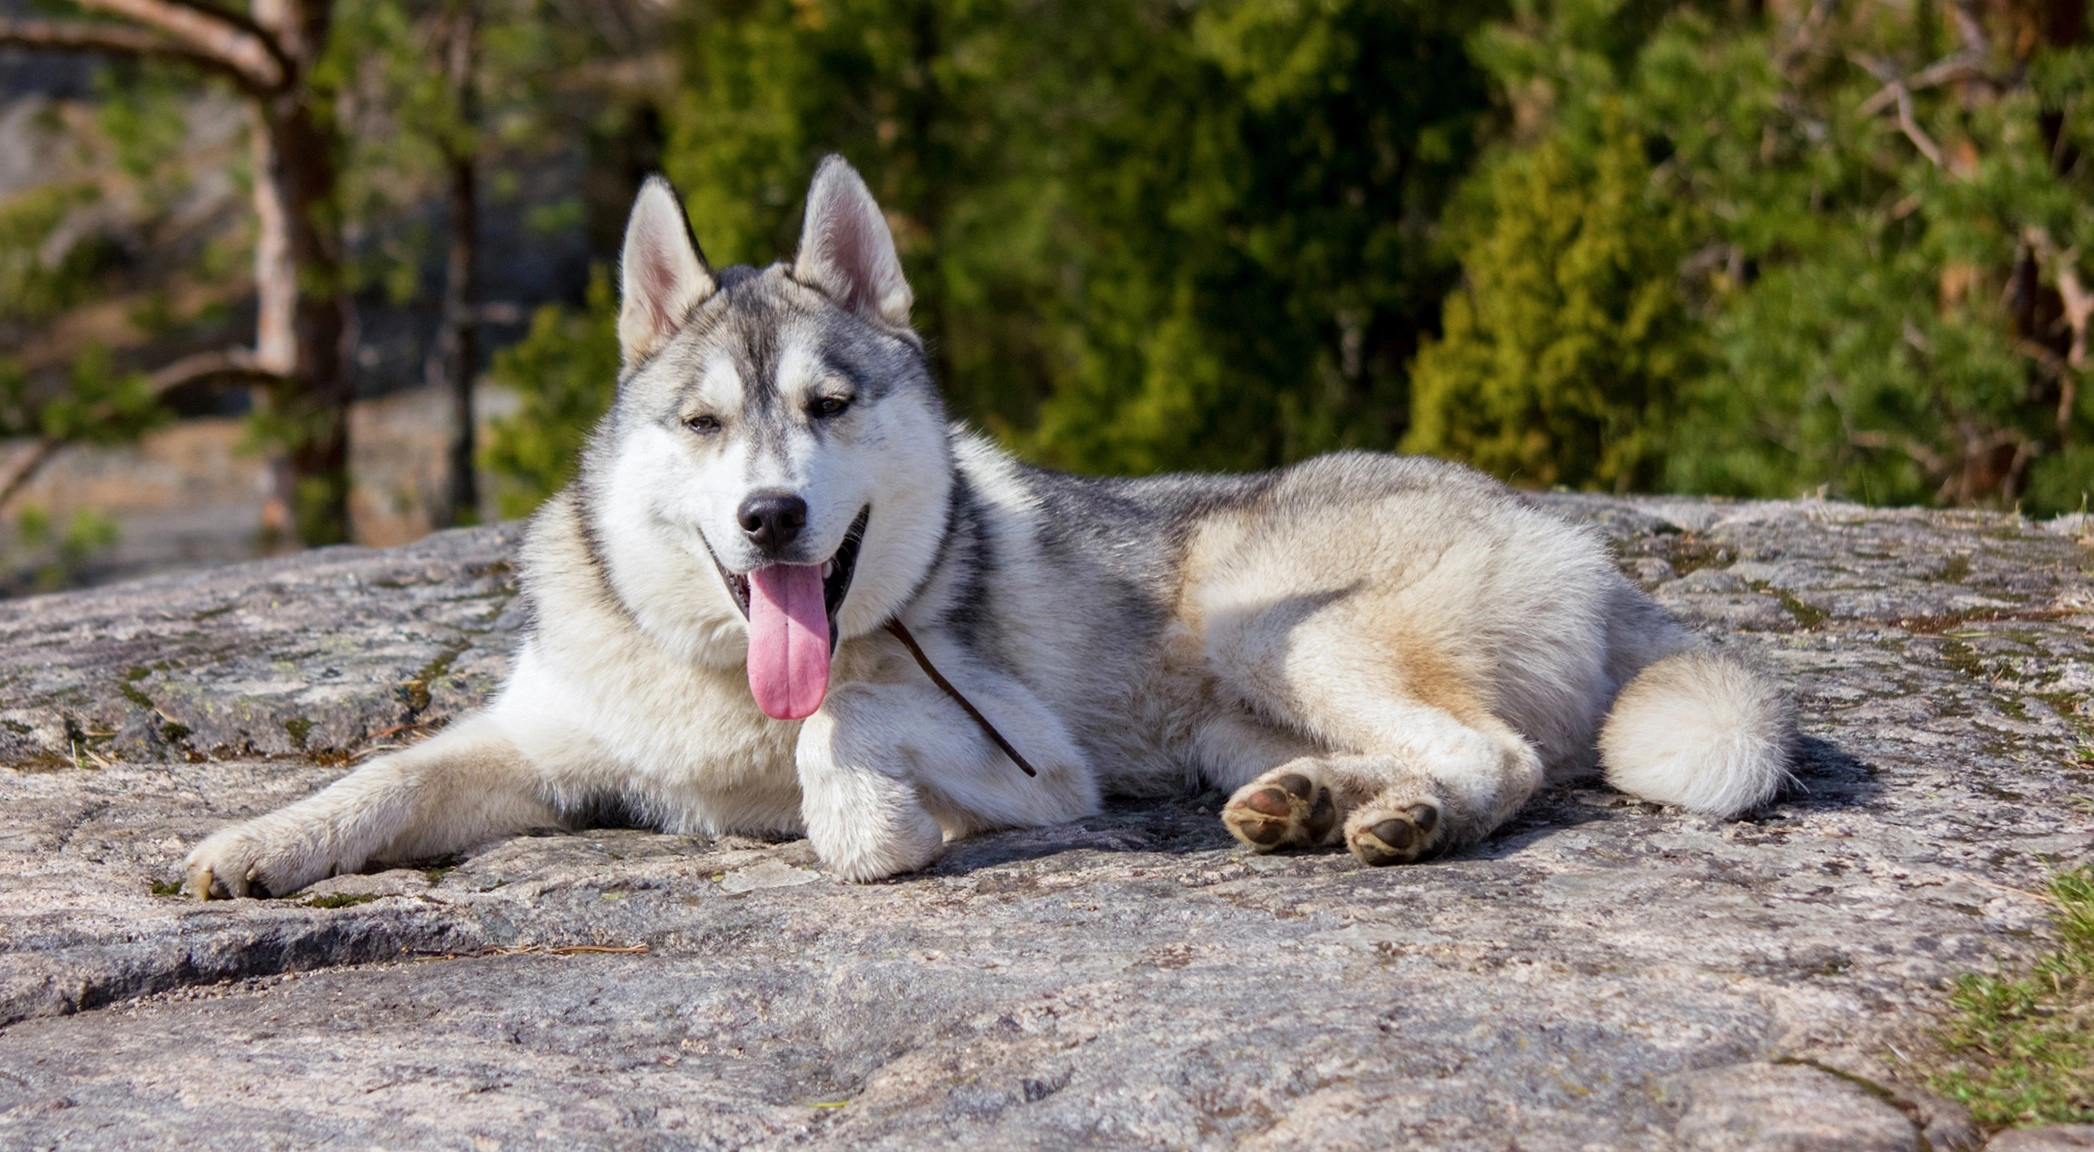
<point x="662" y="275"/>
<point x="846" y="250"/>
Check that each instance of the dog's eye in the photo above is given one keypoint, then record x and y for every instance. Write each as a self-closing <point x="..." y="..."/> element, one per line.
<point x="831" y="405"/>
<point x="703" y="425"/>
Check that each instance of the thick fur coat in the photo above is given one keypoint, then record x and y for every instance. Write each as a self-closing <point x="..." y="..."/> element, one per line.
<point x="1389" y="654"/>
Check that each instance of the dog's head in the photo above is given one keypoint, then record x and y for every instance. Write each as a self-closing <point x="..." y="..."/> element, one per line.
<point x="781" y="425"/>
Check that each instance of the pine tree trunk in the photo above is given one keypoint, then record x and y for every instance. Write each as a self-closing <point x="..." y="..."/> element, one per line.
<point x="456" y="356"/>
<point x="303" y="311"/>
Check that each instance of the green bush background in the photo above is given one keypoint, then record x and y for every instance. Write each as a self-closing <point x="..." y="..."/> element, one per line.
<point x="1607" y="244"/>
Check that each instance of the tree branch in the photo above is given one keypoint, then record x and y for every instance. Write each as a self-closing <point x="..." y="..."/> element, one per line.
<point x="1913" y="132"/>
<point x="1800" y="41"/>
<point x="1963" y="66"/>
<point x="238" y="44"/>
<point x="1920" y="454"/>
<point x="2077" y="299"/>
<point x="27" y="465"/>
<point x="227" y="368"/>
<point x="237" y="19"/>
<point x="1971" y="26"/>
<point x="72" y="36"/>
<point x="1895" y="91"/>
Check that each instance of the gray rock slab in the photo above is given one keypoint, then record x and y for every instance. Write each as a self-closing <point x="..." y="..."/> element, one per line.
<point x="1601" y="974"/>
<point x="2049" y="1138"/>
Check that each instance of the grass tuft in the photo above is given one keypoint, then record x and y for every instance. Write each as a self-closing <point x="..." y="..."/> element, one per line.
<point x="339" y="900"/>
<point x="2020" y="1050"/>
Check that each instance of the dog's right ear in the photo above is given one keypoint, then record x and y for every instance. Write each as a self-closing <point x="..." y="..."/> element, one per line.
<point x="662" y="275"/>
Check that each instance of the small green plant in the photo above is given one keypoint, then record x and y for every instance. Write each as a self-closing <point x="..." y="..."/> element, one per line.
<point x="338" y="900"/>
<point x="2019" y="1049"/>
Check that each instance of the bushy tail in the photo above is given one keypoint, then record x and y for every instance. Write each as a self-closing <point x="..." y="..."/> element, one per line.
<point x="1702" y="731"/>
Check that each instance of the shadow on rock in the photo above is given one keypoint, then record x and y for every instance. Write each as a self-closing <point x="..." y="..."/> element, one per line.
<point x="1179" y="825"/>
<point x="1826" y="776"/>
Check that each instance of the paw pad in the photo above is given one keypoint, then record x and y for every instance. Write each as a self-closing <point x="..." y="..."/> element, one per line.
<point x="1289" y="810"/>
<point x="1400" y="838"/>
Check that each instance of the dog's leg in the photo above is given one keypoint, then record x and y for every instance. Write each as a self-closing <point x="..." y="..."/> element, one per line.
<point x="889" y="770"/>
<point x="1416" y="763"/>
<point x="464" y="786"/>
<point x="1440" y="786"/>
<point x="1231" y="748"/>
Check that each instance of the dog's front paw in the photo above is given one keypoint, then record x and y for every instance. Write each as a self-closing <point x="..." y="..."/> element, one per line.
<point x="869" y="827"/>
<point x="251" y="859"/>
<point x="907" y="841"/>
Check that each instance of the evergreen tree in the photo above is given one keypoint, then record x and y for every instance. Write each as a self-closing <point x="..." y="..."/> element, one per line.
<point x="1142" y="235"/>
<point x="1874" y="216"/>
<point x="1564" y="343"/>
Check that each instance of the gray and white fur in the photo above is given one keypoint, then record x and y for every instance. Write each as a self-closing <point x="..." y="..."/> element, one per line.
<point x="1387" y="653"/>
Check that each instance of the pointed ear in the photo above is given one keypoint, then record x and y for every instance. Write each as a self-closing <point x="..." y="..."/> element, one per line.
<point x="846" y="250"/>
<point x="662" y="275"/>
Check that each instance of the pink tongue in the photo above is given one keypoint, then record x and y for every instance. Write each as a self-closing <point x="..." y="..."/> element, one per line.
<point x="788" y="640"/>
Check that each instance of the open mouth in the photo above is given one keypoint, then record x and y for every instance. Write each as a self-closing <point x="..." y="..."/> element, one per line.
<point x="791" y="609"/>
<point x="837" y="571"/>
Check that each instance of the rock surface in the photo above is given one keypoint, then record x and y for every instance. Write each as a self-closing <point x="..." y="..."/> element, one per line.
<point x="1601" y="974"/>
<point x="2050" y="1138"/>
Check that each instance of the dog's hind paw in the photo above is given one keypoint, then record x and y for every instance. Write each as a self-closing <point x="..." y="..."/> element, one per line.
<point x="1404" y="835"/>
<point x="1282" y="809"/>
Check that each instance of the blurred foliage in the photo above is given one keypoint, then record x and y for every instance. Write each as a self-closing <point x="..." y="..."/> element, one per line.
<point x="140" y="111"/>
<point x="565" y="371"/>
<point x="99" y="405"/>
<point x="78" y="240"/>
<point x="1563" y="345"/>
<point x="41" y="272"/>
<point x="1755" y="247"/>
<point x="1843" y="264"/>
<point x="1142" y="234"/>
<point x="385" y="62"/>
<point x="53" y="558"/>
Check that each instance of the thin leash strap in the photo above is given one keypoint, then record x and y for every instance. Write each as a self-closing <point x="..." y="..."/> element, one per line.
<point x="922" y="661"/>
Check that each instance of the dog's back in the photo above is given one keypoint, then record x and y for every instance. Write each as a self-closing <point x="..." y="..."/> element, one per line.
<point x="1405" y="635"/>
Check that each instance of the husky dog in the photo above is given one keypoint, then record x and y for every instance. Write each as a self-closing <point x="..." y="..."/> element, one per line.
<point x="1386" y="653"/>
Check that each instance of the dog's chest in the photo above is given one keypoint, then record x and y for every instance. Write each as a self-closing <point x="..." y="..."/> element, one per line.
<point x="686" y="742"/>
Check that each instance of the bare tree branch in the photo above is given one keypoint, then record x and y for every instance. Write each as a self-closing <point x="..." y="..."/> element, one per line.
<point x="25" y="466"/>
<point x="230" y="367"/>
<point x="1971" y="26"/>
<point x="237" y="19"/>
<point x="72" y="36"/>
<point x="1806" y="32"/>
<point x="237" y="43"/>
<point x="2072" y="291"/>
<point x="1913" y="132"/>
<point x="1897" y="92"/>
<point x="1963" y="66"/>
<point x="1927" y="458"/>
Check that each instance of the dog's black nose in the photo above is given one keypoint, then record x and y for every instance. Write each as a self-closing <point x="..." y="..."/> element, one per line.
<point x="773" y="519"/>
